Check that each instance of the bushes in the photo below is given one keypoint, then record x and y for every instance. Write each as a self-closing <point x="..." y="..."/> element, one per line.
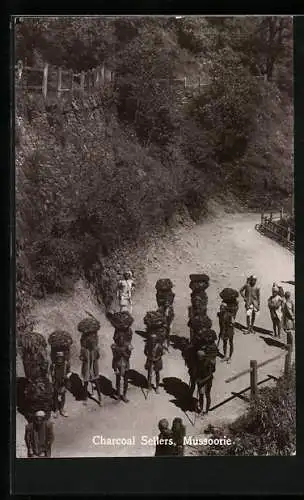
<point x="268" y="427"/>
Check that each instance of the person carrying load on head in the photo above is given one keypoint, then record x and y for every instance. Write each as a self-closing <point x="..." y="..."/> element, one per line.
<point x="89" y="354"/>
<point x="227" y="313"/>
<point x="205" y="368"/>
<point x="121" y="350"/>
<point x="156" y="324"/>
<point x="39" y="436"/>
<point x="60" y="342"/>
<point x="154" y="352"/>
<point x="275" y="303"/>
<point x="126" y="287"/>
<point x="288" y="317"/>
<point x="165" y="299"/>
<point x="122" y="322"/>
<point x="251" y="295"/>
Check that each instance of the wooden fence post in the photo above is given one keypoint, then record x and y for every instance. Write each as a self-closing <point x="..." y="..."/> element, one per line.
<point x="72" y="81"/>
<point x="262" y="218"/>
<point x="281" y="213"/>
<point x="253" y="379"/>
<point x="287" y="364"/>
<point x="45" y="80"/>
<point x="102" y="74"/>
<point x="185" y="82"/>
<point x="199" y="82"/>
<point x="59" y="82"/>
<point x="82" y="77"/>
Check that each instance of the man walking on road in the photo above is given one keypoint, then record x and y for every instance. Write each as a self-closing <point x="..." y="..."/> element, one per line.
<point x="125" y="290"/>
<point x="251" y="295"/>
<point x="275" y="303"/>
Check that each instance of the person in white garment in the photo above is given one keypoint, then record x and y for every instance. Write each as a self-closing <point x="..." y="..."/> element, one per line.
<point x="126" y="287"/>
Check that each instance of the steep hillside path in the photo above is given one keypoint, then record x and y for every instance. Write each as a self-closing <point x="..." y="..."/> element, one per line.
<point x="228" y="249"/>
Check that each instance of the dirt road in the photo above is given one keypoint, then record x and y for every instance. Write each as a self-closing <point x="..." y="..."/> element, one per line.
<point x="228" y="249"/>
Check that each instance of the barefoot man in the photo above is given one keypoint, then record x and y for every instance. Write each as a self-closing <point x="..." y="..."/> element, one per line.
<point x="251" y="295"/>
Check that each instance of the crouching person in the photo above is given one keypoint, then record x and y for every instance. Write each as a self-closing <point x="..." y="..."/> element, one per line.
<point x="154" y="352"/>
<point x="165" y="443"/>
<point x="39" y="436"/>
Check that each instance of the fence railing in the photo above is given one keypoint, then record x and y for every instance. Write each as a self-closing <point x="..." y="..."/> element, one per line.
<point x="272" y="225"/>
<point x="253" y="371"/>
<point x="48" y="79"/>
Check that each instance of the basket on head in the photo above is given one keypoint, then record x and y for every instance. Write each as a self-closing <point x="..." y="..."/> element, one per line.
<point x="32" y="343"/>
<point x="154" y="320"/>
<point x="39" y="396"/>
<point x="121" y="320"/>
<point x="164" y="284"/>
<point x="164" y="297"/>
<point x="229" y="295"/>
<point x="60" y="340"/>
<point x="88" y="325"/>
<point x="200" y="323"/>
<point x="201" y="278"/>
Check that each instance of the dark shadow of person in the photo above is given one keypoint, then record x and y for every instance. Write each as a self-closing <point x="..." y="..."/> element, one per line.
<point x="137" y="379"/>
<point x="75" y="386"/>
<point x="178" y="342"/>
<point x="105" y="386"/>
<point x="273" y="342"/>
<point x="180" y="390"/>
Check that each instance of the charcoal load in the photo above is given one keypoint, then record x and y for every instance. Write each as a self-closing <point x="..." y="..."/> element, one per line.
<point x="88" y="325"/>
<point x="60" y="341"/>
<point x="199" y="298"/>
<point x="39" y="396"/>
<point x="34" y="354"/>
<point x="35" y="367"/>
<point x="32" y="343"/>
<point x="229" y="295"/>
<point x="200" y="322"/>
<point x="165" y="297"/>
<point x="121" y="320"/>
<point x="154" y="320"/>
<point x="198" y="286"/>
<point x="126" y="333"/>
<point x="164" y="284"/>
<point x="199" y="278"/>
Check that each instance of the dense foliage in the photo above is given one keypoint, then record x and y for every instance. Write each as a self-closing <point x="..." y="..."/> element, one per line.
<point x="99" y="173"/>
<point x="268" y="427"/>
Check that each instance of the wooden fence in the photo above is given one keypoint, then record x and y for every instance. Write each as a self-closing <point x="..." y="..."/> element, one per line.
<point x="57" y="80"/>
<point x="272" y="226"/>
<point x="253" y="373"/>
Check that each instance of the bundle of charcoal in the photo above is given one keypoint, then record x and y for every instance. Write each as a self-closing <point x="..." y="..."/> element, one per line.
<point x="60" y="341"/>
<point x="165" y="298"/>
<point x="154" y="320"/>
<point x="121" y="320"/>
<point x="88" y="325"/>
<point x="35" y="366"/>
<point x="203" y="297"/>
<point x="39" y="396"/>
<point x="200" y="323"/>
<point x="199" y="282"/>
<point x="164" y="284"/>
<point x="89" y="336"/>
<point x="229" y="295"/>
<point x="34" y="354"/>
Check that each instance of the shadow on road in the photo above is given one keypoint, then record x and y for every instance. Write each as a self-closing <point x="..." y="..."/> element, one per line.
<point x="179" y="342"/>
<point x="180" y="391"/>
<point x="75" y="387"/>
<point x="273" y="342"/>
<point x="142" y="333"/>
<point x="106" y="386"/>
<point x="257" y="329"/>
<point x="137" y="379"/>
